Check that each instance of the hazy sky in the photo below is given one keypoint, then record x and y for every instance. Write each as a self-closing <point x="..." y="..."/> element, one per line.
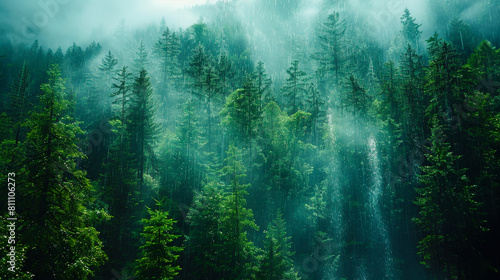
<point x="60" y="22"/>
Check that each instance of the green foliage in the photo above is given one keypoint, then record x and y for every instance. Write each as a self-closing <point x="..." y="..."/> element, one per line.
<point x="332" y="56"/>
<point x="263" y="83"/>
<point x="159" y="257"/>
<point x="485" y="60"/>
<point x="225" y="72"/>
<point x="355" y="98"/>
<point x="167" y="49"/>
<point x="410" y="30"/>
<point x="442" y="78"/>
<point x="119" y="193"/>
<point x="212" y="90"/>
<point x="108" y="64"/>
<point x="283" y="144"/>
<point x="434" y="44"/>
<point x="122" y="95"/>
<point x="485" y="63"/>
<point x="317" y="204"/>
<point x="461" y="36"/>
<point x="242" y="112"/>
<point x="19" y="99"/>
<point x="410" y="111"/>
<point x="206" y="239"/>
<point x="277" y="260"/>
<point x="199" y="60"/>
<point x="315" y="104"/>
<point x="141" y="123"/>
<point x="448" y="210"/>
<point x="238" y="252"/>
<point x="92" y="108"/>
<point x="295" y="88"/>
<point x="54" y="197"/>
<point x="391" y="105"/>
<point x="343" y="158"/>
<point x="75" y="56"/>
<point x="141" y="58"/>
<point x="220" y="220"/>
<point x="184" y="159"/>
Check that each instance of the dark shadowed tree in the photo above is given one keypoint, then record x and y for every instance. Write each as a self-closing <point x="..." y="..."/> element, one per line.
<point x="54" y="199"/>
<point x="141" y="123"/>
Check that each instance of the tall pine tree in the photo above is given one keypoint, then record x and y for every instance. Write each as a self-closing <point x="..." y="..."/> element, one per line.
<point x="54" y="198"/>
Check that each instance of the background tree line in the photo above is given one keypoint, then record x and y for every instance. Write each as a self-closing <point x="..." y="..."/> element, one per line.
<point x="186" y="158"/>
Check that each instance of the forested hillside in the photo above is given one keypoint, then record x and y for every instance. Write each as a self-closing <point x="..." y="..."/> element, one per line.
<point x="265" y="140"/>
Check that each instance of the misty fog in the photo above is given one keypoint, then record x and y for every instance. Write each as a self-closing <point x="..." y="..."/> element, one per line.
<point x="250" y="139"/>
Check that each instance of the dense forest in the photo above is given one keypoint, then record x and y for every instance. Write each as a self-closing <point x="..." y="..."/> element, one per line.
<point x="263" y="140"/>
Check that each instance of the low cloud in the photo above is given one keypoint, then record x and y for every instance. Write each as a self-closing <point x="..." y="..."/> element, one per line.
<point x="62" y="22"/>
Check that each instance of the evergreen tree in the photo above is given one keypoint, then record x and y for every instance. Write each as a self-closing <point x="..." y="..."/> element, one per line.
<point x="355" y="99"/>
<point x="317" y="205"/>
<point x="141" y="123"/>
<point x="33" y="54"/>
<point x="448" y="211"/>
<point x="174" y="67"/>
<point x="485" y="63"/>
<point x="225" y="73"/>
<point x="93" y="108"/>
<point x="120" y="178"/>
<point x="332" y="54"/>
<point x="74" y="63"/>
<point x="277" y="261"/>
<point x="163" y="24"/>
<point x="206" y="237"/>
<point x="108" y="64"/>
<point x="122" y="95"/>
<point x="167" y="49"/>
<point x="197" y="64"/>
<point x="461" y="37"/>
<point x="410" y="31"/>
<point x="158" y="253"/>
<point x="107" y="67"/>
<point x="315" y="106"/>
<point x="199" y="32"/>
<point x="188" y="143"/>
<point x="283" y="143"/>
<point x="295" y="88"/>
<point x="242" y="113"/>
<point x="443" y="84"/>
<point x="58" y="56"/>
<point x="141" y="58"/>
<point x="92" y="50"/>
<point x="54" y="196"/>
<point x="479" y="121"/>
<point x="263" y="84"/>
<point x="413" y="100"/>
<point x="119" y="192"/>
<point x="239" y="252"/>
<point x="389" y="89"/>
<point x="75" y="56"/>
<point x="434" y="44"/>
<point x="19" y="100"/>
<point x="212" y="89"/>
<point x="120" y="32"/>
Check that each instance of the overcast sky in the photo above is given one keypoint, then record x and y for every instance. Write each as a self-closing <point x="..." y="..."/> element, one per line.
<point x="60" y="22"/>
